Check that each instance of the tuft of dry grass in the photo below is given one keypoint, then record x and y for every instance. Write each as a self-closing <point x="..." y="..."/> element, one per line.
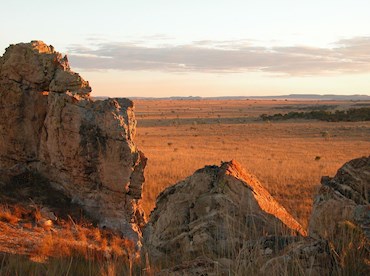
<point x="7" y="216"/>
<point x="64" y="247"/>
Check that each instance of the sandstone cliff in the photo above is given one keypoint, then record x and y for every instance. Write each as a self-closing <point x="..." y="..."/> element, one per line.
<point x="50" y="125"/>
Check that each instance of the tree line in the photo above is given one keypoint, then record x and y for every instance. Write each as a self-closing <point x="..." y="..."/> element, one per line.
<point x="350" y="115"/>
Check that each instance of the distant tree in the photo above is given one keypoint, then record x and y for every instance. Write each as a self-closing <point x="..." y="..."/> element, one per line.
<point x="350" y="115"/>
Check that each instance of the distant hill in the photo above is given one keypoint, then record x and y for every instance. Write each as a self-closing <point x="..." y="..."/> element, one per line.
<point x="326" y="97"/>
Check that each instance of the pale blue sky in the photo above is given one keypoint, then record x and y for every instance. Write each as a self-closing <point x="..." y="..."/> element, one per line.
<point x="170" y="47"/>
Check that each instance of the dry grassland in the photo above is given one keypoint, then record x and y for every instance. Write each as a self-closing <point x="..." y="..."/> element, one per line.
<point x="289" y="157"/>
<point x="33" y="245"/>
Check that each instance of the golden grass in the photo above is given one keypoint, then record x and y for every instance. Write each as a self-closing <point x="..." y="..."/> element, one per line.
<point x="20" y="225"/>
<point x="289" y="158"/>
<point x="180" y="137"/>
<point x="64" y="248"/>
<point x="6" y="215"/>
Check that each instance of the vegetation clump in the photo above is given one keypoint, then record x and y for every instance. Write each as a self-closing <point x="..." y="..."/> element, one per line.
<point x="350" y="115"/>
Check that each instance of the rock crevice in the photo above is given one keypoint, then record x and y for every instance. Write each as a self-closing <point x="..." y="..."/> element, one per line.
<point x="50" y="124"/>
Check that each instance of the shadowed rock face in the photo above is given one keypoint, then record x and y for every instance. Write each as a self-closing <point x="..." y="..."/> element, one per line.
<point x="341" y="214"/>
<point x="212" y="213"/>
<point x="49" y="124"/>
<point x="345" y="197"/>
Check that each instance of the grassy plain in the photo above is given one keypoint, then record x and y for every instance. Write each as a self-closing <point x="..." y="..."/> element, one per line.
<point x="179" y="137"/>
<point x="288" y="157"/>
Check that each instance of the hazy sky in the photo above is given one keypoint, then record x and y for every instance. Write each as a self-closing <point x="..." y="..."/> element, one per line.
<point x="201" y="47"/>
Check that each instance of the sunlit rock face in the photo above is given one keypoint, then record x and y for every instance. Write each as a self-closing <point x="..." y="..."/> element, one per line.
<point x="213" y="213"/>
<point x="49" y="124"/>
<point x="221" y="220"/>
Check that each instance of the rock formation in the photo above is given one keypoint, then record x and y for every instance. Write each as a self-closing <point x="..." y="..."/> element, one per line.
<point x="219" y="220"/>
<point x="342" y="198"/>
<point x="214" y="212"/>
<point x="85" y="148"/>
<point x="341" y="212"/>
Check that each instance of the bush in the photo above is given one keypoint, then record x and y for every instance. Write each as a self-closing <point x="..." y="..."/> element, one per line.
<point x="350" y="115"/>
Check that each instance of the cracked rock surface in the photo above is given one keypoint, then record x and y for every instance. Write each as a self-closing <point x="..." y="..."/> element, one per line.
<point x="214" y="212"/>
<point x="85" y="148"/>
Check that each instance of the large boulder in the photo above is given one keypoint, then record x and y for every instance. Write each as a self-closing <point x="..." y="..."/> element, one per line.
<point x="214" y="213"/>
<point x="49" y="124"/>
<point x="341" y="214"/>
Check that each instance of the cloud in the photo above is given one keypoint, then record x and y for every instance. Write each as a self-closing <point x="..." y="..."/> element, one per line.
<point x="345" y="56"/>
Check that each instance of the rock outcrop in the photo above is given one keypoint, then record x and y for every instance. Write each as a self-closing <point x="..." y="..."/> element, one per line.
<point x="345" y="197"/>
<point x="85" y="148"/>
<point x="341" y="213"/>
<point x="214" y="213"/>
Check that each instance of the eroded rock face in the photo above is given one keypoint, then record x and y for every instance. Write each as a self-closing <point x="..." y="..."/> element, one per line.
<point x="49" y="124"/>
<point x="213" y="213"/>
<point x="345" y="197"/>
<point x="341" y="212"/>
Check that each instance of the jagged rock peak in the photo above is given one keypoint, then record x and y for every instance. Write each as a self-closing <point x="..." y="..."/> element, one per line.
<point x="37" y="45"/>
<point x="352" y="180"/>
<point x="266" y="202"/>
<point x="37" y="66"/>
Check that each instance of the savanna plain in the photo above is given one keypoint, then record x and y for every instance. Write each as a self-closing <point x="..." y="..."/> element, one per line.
<point x="288" y="157"/>
<point x="179" y="136"/>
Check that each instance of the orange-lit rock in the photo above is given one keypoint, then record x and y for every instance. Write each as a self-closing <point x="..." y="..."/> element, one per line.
<point x="50" y="125"/>
<point x="213" y="213"/>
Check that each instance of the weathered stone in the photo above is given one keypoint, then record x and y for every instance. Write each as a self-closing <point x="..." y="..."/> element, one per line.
<point x="214" y="212"/>
<point x="341" y="214"/>
<point x="339" y="197"/>
<point x="305" y="257"/>
<point x="50" y="125"/>
<point x="36" y="67"/>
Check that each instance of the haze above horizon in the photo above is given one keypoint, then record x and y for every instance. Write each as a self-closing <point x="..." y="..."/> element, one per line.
<point x="203" y="48"/>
